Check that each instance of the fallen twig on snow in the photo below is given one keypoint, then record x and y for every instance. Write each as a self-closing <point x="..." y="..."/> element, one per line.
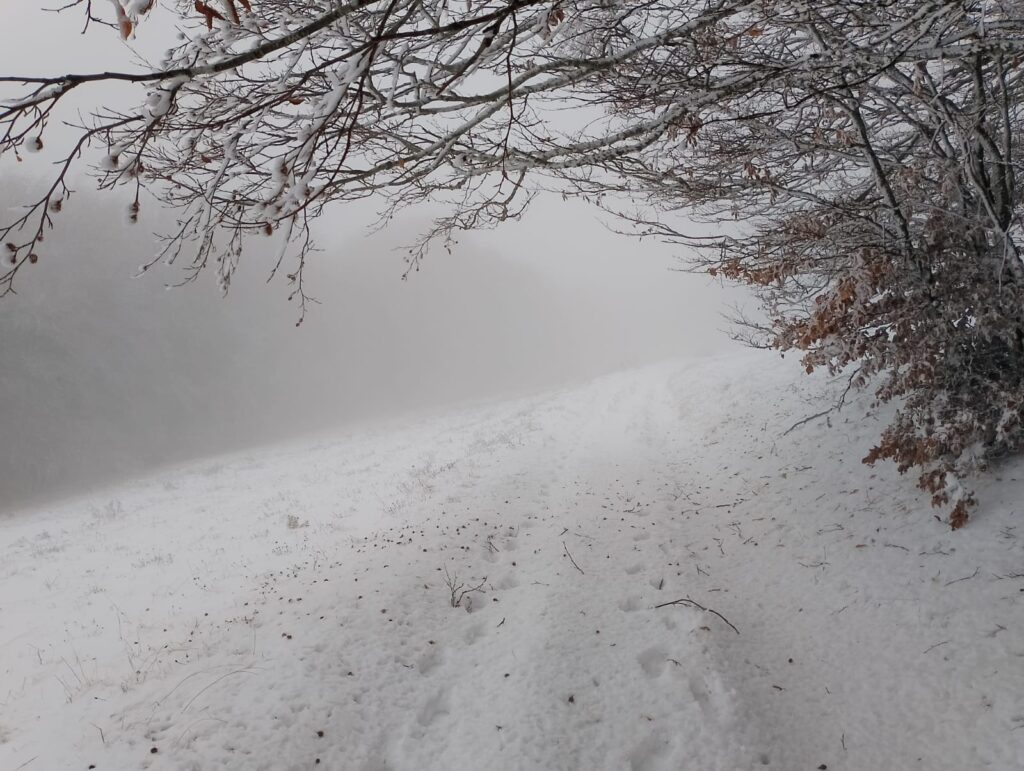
<point x="695" y="604"/>
<point x="567" y="554"/>
<point x="244" y="671"/>
<point x="808" y="419"/>
<point x="836" y="407"/>
<point x="965" y="578"/>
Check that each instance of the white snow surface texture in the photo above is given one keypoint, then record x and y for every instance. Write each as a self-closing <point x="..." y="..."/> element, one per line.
<point x="288" y="608"/>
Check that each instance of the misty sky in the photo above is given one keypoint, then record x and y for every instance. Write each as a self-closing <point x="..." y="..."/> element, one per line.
<point x="105" y="375"/>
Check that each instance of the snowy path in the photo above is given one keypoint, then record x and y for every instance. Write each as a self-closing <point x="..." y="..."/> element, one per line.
<point x="288" y="609"/>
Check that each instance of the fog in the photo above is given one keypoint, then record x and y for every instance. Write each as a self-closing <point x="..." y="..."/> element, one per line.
<point x="106" y="376"/>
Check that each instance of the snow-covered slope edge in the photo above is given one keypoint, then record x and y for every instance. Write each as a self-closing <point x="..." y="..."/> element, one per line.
<point x="289" y="610"/>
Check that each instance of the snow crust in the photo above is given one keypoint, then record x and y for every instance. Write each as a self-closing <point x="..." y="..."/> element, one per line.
<point x="288" y="608"/>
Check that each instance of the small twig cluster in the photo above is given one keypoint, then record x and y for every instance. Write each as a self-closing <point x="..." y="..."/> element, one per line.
<point x="460" y="591"/>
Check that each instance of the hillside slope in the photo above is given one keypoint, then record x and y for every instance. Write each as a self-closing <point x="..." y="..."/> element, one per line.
<point x="289" y="608"/>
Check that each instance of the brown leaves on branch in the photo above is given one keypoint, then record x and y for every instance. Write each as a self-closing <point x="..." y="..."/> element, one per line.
<point x="230" y="8"/>
<point x="124" y="24"/>
<point x="209" y="13"/>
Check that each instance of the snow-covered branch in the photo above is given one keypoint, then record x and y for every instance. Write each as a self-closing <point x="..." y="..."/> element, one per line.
<point x="868" y="152"/>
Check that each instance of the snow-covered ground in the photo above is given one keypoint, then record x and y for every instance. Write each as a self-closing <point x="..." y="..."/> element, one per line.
<point x="288" y="608"/>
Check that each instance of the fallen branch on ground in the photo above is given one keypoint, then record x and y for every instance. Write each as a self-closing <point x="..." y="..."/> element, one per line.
<point x="695" y="604"/>
<point x="567" y="554"/>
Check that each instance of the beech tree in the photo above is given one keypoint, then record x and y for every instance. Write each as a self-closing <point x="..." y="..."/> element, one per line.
<point x="858" y="156"/>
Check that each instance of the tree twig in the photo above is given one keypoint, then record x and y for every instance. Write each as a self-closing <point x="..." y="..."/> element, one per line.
<point x="965" y="578"/>
<point x="695" y="604"/>
<point x="567" y="554"/>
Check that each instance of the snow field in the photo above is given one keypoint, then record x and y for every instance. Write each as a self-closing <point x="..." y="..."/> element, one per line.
<point x="291" y="608"/>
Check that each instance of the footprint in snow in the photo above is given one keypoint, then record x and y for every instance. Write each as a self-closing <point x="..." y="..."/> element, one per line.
<point x="508" y="581"/>
<point x="436" y="706"/>
<point x="701" y="694"/>
<point x="429" y="661"/>
<point x="474" y="633"/>
<point x="651" y="754"/>
<point x="631" y="603"/>
<point x="652" y="661"/>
